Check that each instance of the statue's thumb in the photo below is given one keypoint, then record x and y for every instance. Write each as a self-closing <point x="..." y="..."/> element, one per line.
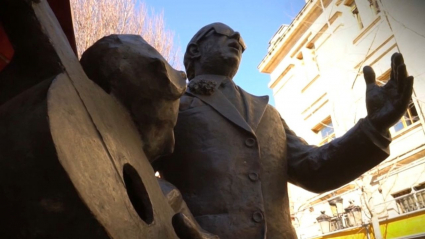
<point x="369" y="75"/>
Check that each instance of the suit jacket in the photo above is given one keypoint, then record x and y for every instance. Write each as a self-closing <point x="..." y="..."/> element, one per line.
<point x="233" y="170"/>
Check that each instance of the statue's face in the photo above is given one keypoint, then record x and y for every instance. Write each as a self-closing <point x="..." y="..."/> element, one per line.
<point x="131" y="70"/>
<point x="151" y="93"/>
<point x="221" y="49"/>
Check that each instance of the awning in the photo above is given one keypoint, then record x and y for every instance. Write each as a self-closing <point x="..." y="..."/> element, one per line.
<point x="62" y="10"/>
<point x="6" y="49"/>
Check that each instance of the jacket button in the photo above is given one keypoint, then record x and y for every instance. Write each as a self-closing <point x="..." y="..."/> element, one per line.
<point x="257" y="216"/>
<point x="250" y="142"/>
<point x="253" y="176"/>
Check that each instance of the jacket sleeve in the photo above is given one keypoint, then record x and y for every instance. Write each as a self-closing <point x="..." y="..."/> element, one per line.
<point x="320" y="169"/>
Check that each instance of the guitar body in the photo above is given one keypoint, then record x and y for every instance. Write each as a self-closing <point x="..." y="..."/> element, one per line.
<point x="71" y="159"/>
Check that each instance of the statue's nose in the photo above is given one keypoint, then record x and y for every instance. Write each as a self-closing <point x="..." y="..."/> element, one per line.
<point x="236" y="36"/>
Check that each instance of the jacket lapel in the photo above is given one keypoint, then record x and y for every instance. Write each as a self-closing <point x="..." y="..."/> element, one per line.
<point x="255" y="107"/>
<point x="220" y="103"/>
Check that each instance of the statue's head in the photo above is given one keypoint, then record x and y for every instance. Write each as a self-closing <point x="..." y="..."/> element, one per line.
<point x="128" y="68"/>
<point x="215" y="49"/>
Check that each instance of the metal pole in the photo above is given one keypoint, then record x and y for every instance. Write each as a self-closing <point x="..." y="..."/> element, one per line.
<point x="376" y="229"/>
<point x="371" y="207"/>
<point x="368" y="199"/>
<point x="366" y="226"/>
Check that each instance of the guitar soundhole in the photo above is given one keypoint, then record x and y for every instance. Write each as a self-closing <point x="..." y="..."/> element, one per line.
<point x="138" y="194"/>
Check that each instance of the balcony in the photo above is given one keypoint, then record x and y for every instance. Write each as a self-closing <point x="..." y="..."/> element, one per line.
<point x="409" y="200"/>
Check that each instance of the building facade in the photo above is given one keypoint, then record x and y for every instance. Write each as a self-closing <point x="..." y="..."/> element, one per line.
<point x="315" y="64"/>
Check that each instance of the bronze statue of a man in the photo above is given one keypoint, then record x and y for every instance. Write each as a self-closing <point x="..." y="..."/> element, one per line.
<point x="234" y="153"/>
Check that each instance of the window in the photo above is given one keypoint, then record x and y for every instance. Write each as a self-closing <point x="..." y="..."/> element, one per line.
<point x="410" y="117"/>
<point x="420" y="195"/>
<point x="326" y="130"/>
<point x="356" y="15"/>
<point x="374" y="6"/>
<point x="340" y="218"/>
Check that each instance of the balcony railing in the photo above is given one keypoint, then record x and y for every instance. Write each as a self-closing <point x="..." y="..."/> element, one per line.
<point x="411" y="202"/>
<point x="315" y="231"/>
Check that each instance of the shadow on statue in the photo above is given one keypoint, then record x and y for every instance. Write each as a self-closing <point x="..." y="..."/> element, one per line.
<point x="76" y="154"/>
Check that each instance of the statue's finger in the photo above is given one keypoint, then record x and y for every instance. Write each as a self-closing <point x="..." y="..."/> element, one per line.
<point x="401" y="76"/>
<point x="392" y="76"/>
<point x="369" y="75"/>
<point x="396" y="59"/>
<point x="399" y="59"/>
<point x="406" y="94"/>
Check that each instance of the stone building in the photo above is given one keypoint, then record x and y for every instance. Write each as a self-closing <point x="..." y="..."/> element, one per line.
<point x="315" y="65"/>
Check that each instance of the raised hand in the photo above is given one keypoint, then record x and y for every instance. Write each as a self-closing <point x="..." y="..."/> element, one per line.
<point x="386" y="105"/>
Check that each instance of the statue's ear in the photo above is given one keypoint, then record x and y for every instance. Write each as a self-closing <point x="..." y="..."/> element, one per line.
<point x="193" y="50"/>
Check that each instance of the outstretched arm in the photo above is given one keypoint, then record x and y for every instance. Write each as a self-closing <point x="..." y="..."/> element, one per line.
<point x="320" y="169"/>
<point x="324" y="168"/>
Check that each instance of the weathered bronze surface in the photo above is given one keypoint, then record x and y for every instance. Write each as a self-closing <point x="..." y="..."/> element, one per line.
<point x="134" y="73"/>
<point x="75" y="158"/>
<point x="72" y="163"/>
<point x="234" y="154"/>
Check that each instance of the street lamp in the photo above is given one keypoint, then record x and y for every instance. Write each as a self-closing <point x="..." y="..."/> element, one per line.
<point x="354" y="214"/>
<point x="334" y="209"/>
<point x="337" y="211"/>
<point x="339" y="207"/>
<point x="324" y="221"/>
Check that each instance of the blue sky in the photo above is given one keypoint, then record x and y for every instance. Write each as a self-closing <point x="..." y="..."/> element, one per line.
<point x="257" y="21"/>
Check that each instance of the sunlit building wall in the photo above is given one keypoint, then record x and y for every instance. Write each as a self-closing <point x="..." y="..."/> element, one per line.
<point x="315" y="65"/>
